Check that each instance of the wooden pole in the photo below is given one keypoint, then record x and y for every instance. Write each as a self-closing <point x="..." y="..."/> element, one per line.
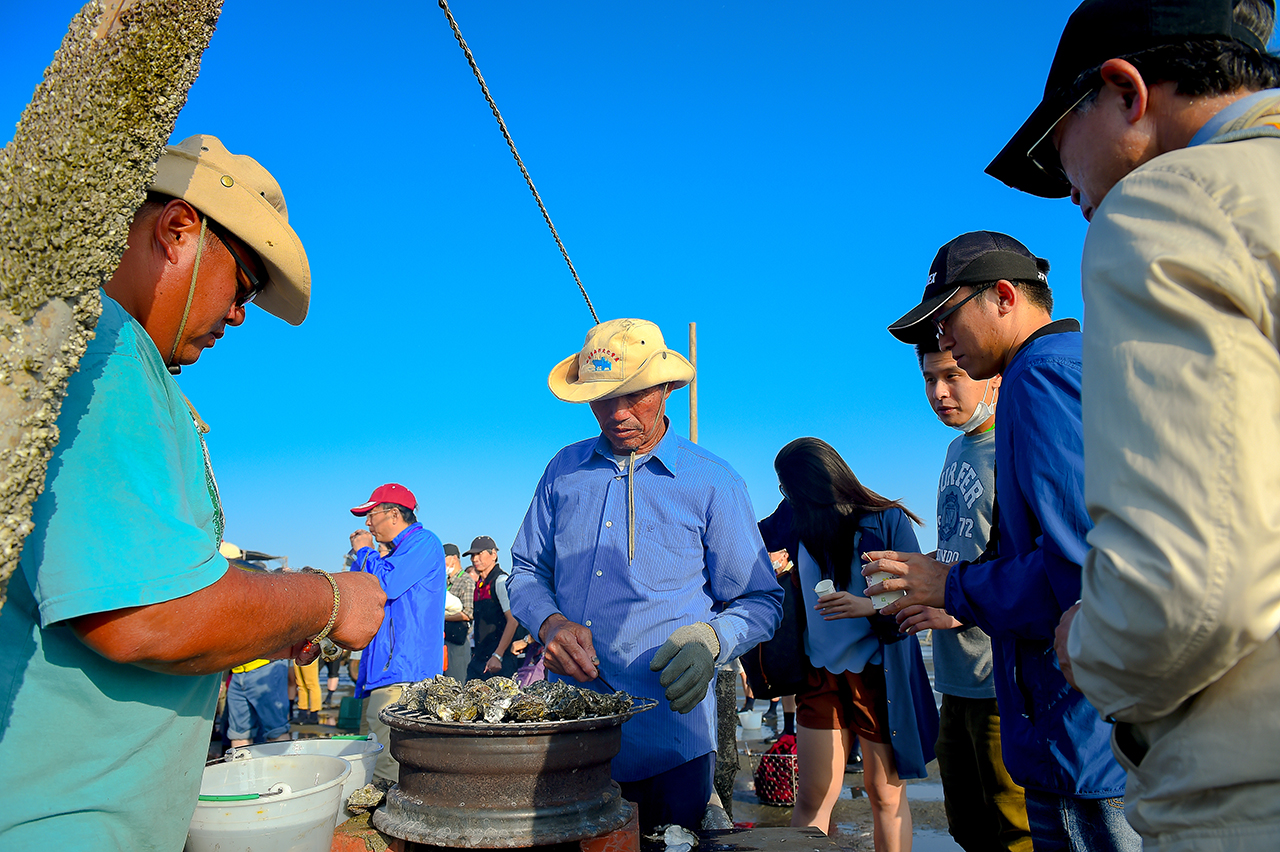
<point x="693" y="385"/>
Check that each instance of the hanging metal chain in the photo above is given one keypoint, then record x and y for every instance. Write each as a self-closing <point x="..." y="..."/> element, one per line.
<point x="502" y="125"/>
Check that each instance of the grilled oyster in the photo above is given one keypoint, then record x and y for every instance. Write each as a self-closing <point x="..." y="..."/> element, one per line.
<point x="528" y="707"/>
<point x="568" y="702"/>
<point x="411" y="697"/>
<point x="463" y="708"/>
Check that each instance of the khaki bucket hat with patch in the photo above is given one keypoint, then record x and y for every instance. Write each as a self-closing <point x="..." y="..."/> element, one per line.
<point x="243" y="197"/>
<point x="619" y="357"/>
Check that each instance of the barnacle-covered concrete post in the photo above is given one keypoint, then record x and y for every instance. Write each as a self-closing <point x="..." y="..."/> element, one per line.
<point x="78" y="166"/>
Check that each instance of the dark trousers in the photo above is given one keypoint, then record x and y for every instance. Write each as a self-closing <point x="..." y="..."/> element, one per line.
<point x="678" y="796"/>
<point x="985" y="808"/>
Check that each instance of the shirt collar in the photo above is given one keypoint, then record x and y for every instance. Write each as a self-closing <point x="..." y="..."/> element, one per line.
<point x="666" y="453"/>
<point x="1061" y="326"/>
<point x="1228" y="114"/>
<point x="399" y="539"/>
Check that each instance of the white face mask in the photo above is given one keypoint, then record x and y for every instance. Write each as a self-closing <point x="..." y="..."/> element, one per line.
<point x="981" y="413"/>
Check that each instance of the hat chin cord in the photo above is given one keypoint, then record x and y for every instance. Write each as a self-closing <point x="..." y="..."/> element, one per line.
<point x="175" y="368"/>
<point x="631" y="490"/>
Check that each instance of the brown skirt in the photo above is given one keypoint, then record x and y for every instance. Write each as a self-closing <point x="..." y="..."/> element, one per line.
<point x="847" y="700"/>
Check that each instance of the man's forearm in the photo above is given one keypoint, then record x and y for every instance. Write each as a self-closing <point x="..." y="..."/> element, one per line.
<point x="243" y="616"/>
<point x="508" y="633"/>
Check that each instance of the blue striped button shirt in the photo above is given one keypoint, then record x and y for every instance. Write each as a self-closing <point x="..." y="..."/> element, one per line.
<point x="698" y="557"/>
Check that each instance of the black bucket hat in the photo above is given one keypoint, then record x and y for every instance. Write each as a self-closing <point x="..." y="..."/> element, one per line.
<point x="972" y="258"/>
<point x="1099" y="30"/>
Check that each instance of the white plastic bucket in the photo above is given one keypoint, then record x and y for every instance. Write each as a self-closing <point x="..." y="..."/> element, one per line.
<point x="361" y="752"/>
<point x="750" y="720"/>
<point x="268" y="804"/>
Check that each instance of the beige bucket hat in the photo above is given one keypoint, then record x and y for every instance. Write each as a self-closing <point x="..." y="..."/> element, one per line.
<point x="619" y="357"/>
<point x="243" y="197"/>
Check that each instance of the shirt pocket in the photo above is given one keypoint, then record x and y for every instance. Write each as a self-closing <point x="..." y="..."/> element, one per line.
<point x="668" y="557"/>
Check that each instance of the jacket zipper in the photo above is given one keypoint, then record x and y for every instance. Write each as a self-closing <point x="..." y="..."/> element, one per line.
<point x="391" y="651"/>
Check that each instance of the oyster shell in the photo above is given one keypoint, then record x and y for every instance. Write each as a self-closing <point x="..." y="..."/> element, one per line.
<point x="528" y="707"/>
<point x="366" y="798"/>
<point x="411" y="697"/>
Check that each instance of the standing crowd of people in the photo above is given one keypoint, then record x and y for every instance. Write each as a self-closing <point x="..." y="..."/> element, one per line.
<point x="1102" y="597"/>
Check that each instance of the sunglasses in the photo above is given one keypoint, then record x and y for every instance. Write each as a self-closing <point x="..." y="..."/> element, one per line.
<point x="243" y="295"/>
<point x="940" y="320"/>
<point x="1042" y="153"/>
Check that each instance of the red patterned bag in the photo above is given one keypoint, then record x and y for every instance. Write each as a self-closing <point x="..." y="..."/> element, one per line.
<point x="776" y="777"/>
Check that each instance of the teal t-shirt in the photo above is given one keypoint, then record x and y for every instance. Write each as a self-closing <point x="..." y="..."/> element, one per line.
<point x="93" y="754"/>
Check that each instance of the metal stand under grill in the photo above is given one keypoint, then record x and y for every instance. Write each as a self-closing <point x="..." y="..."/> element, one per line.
<point x="505" y="785"/>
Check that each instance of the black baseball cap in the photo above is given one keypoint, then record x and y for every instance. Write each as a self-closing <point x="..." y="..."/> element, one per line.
<point x="1099" y="30"/>
<point x="479" y="543"/>
<point x="452" y="550"/>
<point x="972" y="258"/>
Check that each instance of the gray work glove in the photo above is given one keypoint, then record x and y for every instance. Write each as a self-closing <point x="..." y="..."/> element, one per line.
<point x="688" y="662"/>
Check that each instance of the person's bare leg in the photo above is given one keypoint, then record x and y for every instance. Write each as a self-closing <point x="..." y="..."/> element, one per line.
<point x="887" y="795"/>
<point x="820" y="761"/>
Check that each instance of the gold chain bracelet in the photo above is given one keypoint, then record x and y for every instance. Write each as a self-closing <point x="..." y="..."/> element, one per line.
<point x="337" y="599"/>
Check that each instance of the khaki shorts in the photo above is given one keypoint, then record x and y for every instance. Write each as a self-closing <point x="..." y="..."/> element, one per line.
<point x="854" y="701"/>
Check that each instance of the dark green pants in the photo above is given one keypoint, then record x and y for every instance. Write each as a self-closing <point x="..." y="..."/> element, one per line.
<point x="985" y="808"/>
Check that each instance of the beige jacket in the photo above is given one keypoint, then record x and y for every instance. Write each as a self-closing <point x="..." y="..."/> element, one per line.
<point x="1176" y="639"/>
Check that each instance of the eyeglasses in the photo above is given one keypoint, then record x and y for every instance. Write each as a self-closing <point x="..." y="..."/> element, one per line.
<point x="940" y="320"/>
<point x="1042" y="152"/>
<point x="255" y="286"/>
<point x="379" y="512"/>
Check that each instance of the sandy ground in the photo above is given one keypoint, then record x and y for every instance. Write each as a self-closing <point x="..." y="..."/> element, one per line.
<point x="852" y="815"/>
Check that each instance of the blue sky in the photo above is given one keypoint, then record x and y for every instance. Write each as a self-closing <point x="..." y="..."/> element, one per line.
<point x="782" y="175"/>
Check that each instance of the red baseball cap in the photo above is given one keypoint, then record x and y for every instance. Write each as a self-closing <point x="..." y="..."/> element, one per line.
<point x="389" y="493"/>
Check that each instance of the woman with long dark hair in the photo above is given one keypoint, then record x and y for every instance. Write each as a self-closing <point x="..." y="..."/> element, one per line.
<point x="867" y="679"/>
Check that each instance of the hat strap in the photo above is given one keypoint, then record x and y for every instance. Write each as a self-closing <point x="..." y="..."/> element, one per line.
<point x="175" y="369"/>
<point x="631" y="507"/>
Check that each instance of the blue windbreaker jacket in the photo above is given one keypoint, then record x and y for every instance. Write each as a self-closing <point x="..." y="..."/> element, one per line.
<point x="409" y="646"/>
<point x="1052" y="739"/>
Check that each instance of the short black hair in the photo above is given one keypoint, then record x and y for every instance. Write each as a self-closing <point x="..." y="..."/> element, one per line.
<point x="406" y="514"/>
<point x="926" y="347"/>
<point x="1038" y="294"/>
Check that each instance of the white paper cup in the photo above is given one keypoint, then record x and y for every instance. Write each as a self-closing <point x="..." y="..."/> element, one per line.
<point x="883" y="599"/>
<point x="826" y="587"/>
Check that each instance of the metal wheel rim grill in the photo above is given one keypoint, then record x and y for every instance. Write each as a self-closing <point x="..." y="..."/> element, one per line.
<point x="479" y="785"/>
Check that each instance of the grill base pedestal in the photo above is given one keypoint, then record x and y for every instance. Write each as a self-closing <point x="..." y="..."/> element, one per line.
<point x="410" y="819"/>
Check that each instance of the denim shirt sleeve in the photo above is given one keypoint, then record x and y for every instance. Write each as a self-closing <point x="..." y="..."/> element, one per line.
<point x="741" y="574"/>
<point x="531" y="582"/>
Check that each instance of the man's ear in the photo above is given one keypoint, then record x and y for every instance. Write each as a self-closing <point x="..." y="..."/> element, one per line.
<point x="1007" y="296"/>
<point x="177" y="221"/>
<point x="1120" y="78"/>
